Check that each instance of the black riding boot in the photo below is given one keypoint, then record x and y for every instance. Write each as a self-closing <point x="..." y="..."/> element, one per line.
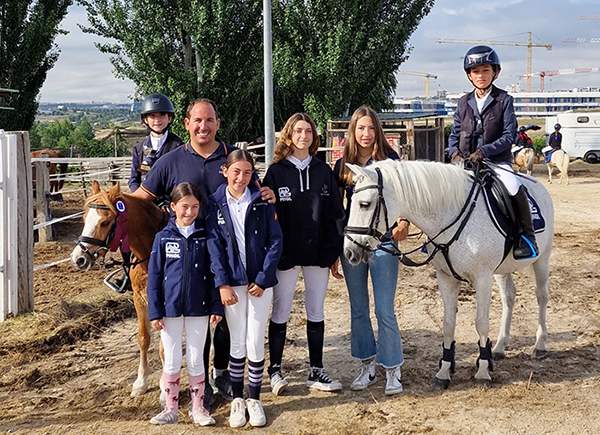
<point x="277" y="333"/>
<point x="526" y="246"/>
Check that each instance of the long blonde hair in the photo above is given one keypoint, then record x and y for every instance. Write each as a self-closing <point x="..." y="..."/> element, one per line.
<point x="381" y="148"/>
<point x="284" y="149"/>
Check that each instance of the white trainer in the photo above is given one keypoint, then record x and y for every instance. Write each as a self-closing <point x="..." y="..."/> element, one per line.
<point x="256" y="413"/>
<point x="166" y="416"/>
<point x="393" y="384"/>
<point x="202" y="418"/>
<point x="366" y="378"/>
<point x="237" y="417"/>
<point x="278" y="383"/>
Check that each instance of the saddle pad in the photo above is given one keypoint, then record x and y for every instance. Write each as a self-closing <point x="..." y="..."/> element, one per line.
<point x="501" y="221"/>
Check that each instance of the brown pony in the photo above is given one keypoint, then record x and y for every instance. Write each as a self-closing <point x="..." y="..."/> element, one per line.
<point x="525" y="159"/>
<point x="57" y="183"/>
<point x="106" y="218"/>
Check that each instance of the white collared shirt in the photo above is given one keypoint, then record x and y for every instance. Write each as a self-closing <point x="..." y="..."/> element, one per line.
<point x="158" y="142"/>
<point x="186" y="231"/>
<point x="237" y="211"/>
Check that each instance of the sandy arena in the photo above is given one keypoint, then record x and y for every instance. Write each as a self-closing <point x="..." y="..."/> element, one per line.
<point x="68" y="367"/>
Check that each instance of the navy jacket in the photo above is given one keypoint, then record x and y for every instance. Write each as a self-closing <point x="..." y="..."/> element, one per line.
<point x="310" y="211"/>
<point x="179" y="278"/>
<point x="493" y="130"/>
<point x="264" y="242"/>
<point x="135" y="180"/>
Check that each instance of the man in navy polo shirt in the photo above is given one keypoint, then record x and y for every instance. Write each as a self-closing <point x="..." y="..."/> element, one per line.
<point x="199" y="162"/>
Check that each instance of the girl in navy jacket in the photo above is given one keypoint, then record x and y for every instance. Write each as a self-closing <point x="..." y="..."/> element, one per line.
<point x="182" y="297"/>
<point x="245" y="244"/>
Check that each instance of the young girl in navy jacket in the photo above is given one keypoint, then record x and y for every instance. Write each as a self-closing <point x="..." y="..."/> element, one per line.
<point x="245" y="244"/>
<point x="311" y="216"/>
<point x="182" y="297"/>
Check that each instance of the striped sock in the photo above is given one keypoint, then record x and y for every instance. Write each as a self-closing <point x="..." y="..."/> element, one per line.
<point x="236" y="372"/>
<point x="255" y="376"/>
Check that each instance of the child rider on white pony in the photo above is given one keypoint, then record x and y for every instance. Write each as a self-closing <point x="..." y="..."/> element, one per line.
<point x="484" y="127"/>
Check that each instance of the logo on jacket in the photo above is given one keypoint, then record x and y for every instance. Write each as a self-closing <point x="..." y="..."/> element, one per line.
<point x="325" y="190"/>
<point x="172" y="250"/>
<point x="220" y="218"/>
<point x="285" y="194"/>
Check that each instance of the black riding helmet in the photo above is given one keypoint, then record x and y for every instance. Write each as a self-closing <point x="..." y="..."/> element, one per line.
<point x="522" y="129"/>
<point x="157" y="103"/>
<point x="557" y="127"/>
<point x="481" y="55"/>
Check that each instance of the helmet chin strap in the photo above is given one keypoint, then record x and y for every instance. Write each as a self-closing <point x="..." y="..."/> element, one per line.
<point x="496" y="74"/>
<point x="160" y="133"/>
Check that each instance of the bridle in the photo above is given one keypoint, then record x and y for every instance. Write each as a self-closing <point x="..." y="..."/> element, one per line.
<point x="371" y="230"/>
<point x="103" y="245"/>
<point x="444" y="248"/>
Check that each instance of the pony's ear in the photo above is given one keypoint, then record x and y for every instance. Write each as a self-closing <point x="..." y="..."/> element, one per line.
<point x="95" y="187"/>
<point x="362" y="171"/>
<point x="115" y="191"/>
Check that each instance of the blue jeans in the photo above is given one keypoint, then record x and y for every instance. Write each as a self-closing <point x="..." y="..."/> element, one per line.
<point x="384" y="277"/>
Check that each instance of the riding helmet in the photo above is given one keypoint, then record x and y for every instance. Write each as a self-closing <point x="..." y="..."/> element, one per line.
<point x="156" y="103"/>
<point x="557" y="127"/>
<point x="522" y="129"/>
<point x="480" y="55"/>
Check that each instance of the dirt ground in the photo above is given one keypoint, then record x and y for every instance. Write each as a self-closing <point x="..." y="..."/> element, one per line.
<point x="68" y="367"/>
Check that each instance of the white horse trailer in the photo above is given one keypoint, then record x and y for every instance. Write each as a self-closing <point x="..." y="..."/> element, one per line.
<point x="581" y="134"/>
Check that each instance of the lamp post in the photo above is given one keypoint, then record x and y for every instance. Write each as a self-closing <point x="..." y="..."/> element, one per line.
<point x="268" y="73"/>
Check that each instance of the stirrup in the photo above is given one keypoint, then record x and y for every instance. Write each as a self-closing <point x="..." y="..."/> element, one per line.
<point x="525" y="242"/>
<point x="120" y="285"/>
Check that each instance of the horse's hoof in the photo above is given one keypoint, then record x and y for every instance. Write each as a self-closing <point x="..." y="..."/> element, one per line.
<point x="440" y="384"/>
<point x="139" y="388"/>
<point x="484" y="383"/>
<point x="497" y="356"/>
<point x="539" y="354"/>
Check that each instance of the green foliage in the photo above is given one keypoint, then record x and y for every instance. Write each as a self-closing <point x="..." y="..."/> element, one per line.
<point x="330" y="56"/>
<point x="73" y="140"/>
<point x="538" y="144"/>
<point x="28" y="29"/>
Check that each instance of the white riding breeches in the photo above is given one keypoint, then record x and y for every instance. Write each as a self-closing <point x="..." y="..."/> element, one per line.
<point x="172" y="336"/>
<point x="508" y="178"/>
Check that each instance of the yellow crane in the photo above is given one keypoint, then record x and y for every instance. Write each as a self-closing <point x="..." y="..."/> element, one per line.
<point x="527" y="44"/>
<point x="420" y="74"/>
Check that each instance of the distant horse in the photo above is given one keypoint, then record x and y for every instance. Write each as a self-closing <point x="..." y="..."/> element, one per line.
<point x="463" y="244"/>
<point x="106" y="218"/>
<point x="559" y="159"/>
<point x="525" y="159"/>
<point x="56" y="184"/>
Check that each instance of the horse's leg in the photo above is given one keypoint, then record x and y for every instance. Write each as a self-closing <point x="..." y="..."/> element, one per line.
<point x="449" y="291"/>
<point x="483" y="290"/>
<point x="508" y="292"/>
<point x="549" y="173"/>
<point x="541" y="269"/>
<point x="138" y="280"/>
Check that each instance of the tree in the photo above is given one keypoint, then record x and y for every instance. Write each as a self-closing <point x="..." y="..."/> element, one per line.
<point x="330" y="56"/>
<point x="340" y="54"/>
<point x="28" y="29"/>
<point x="187" y="49"/>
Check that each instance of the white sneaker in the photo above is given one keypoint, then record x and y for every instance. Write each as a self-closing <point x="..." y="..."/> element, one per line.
<point x="278" y="383"/>
<point x="166" y="416"/>
<point x="237" y="417"/>
<point x="321" y="381"/>
<point x="366" y="377"/>
<point x="256" y="413"/>
<point x="202" y="418"/>
<point x="393" y="384"/>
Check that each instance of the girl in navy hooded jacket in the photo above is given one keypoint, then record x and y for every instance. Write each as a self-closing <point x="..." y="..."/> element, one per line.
<point x="181" y="296"/>
<point x="245" y="244"/>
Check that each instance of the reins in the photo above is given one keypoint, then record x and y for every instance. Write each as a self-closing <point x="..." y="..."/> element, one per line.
<point x="444" y="248"/>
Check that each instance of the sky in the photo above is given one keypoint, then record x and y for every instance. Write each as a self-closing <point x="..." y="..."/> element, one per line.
<point x="83" y="74"/>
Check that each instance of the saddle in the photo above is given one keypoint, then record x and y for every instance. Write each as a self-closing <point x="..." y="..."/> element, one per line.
<point x="501" y="211"/>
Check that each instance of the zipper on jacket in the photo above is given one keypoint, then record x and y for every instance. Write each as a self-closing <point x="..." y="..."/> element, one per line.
<point x="185" y="274"/>
<point x="234" y="240"/>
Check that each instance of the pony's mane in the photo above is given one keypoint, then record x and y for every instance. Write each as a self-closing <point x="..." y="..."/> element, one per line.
<point x="426" y="186"/>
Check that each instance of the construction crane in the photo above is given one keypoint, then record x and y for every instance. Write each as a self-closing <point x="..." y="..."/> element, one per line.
<point x="592" y="40"/>
<point x="555" y="72"/>
<point x="426" y="75"/>
<point x="527" y="44"/>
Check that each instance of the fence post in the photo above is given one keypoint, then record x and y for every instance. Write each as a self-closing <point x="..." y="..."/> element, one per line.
<point x="42" y="185"/>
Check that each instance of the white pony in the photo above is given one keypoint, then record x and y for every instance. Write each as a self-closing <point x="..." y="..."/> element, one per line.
<point x="559" y="159"/>
<point x="442" y="201"/>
